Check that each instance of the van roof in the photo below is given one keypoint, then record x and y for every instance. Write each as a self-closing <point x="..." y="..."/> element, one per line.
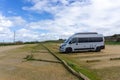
<point x="86" y="33"/>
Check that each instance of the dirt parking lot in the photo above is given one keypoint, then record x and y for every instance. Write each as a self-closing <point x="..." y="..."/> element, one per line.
<point x="100" y="62"/>
<point x="102" y="58"/>
<point x="14" y="67"/>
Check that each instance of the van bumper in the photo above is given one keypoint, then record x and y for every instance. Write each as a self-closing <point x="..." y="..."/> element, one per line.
<point x="61" y="49"/>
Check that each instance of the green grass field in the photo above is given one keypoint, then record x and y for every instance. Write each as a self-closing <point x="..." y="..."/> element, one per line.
<point x="112" y="43"/>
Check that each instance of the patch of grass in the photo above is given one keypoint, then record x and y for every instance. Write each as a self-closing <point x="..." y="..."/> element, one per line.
<point x="26" y="48"/>
<point x="112" y="43"/>
<point x="29" y="57"/>
<point x="9" y="44"/>
<point x="90" y="61"/>
<point x="115" y="58"/>
<point x="91" y="75"/>
<point x="33" y="49"/>
<point x="54" y="41"/>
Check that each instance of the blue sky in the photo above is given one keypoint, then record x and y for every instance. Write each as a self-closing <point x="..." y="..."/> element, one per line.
<point x="14" y="8"/>
<point x="53" y="19"/>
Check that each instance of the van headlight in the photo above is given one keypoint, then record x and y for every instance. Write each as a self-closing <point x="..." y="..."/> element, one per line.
<point x="62" y="45"/>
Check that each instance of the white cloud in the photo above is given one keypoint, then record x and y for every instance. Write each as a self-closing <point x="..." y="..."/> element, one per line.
<point x="17" y="20"/>
<point x="30" y="35"/>
<point x="4" y="22"/>
<point x="11" y="21"/>
<point x="26" y="35"/>
<point x="54" y="6"/>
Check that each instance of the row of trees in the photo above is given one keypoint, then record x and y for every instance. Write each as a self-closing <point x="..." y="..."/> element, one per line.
<point x="115" y="38"/>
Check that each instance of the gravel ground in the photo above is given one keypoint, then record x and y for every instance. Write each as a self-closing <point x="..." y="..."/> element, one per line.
<point x="14" y="67"/>
<point x="100" y="63"/>
<point x="111" y="51"/>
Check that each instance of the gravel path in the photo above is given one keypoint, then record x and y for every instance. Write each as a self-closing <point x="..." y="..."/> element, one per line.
<point x="7" y="48"/>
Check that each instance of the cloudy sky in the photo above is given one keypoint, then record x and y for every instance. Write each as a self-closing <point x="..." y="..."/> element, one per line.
<point x="53" y="19"/>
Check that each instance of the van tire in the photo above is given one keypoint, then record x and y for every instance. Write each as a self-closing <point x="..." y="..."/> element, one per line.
<point x="98" y="49"/>
<point x="68" y="50"/>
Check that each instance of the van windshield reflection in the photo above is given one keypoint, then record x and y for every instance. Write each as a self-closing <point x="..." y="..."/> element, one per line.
<point x="66" y="41"/>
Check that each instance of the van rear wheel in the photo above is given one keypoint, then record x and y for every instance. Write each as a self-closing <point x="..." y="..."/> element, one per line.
<point x="98" y="49"/>
<point x="68" y="50"/>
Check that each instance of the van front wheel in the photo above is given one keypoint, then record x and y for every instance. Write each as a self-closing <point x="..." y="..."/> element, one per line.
<point x="68" y="50"/>
<point x="98" y="49"/>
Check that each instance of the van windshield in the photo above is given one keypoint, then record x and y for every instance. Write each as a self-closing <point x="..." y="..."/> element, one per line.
<point x="66" y="41"/>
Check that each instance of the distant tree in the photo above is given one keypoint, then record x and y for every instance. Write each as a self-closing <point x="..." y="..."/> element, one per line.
<point x="115" y="35"/>
<point x="118" y="40"/>
<point x="18" y="42"/>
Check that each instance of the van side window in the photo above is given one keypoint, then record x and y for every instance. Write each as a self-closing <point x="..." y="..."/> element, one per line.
<point x="74" y="40"/>
<point x="91" y="39"/>
<point x="96" y="39"/>
<point x="100" y="39"/>
<point x="82" y="40"/>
